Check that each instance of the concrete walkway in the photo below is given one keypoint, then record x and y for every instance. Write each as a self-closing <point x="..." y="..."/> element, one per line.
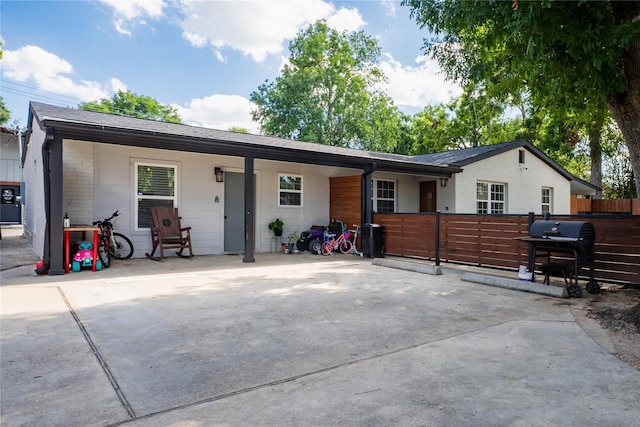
<point x="297" y="340"/>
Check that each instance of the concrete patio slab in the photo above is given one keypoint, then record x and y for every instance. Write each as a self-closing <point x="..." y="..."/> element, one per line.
<point x="297" y="340"/>
<point x="49" y="375"/>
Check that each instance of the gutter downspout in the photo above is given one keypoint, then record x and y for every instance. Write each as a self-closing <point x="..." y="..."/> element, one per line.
<point x="46" y="150"/>
<point x="52" y="168"/>
<point x="367" y="194"/>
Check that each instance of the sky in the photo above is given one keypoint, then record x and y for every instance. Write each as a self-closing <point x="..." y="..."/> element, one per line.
<point x="202" y="57"/>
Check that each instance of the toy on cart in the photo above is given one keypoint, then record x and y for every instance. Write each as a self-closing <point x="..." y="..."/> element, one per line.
<point x="84" y="257"/>
<point x="312" y="240"/>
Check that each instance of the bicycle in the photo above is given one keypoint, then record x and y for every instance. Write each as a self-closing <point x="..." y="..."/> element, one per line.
<point x="110" y="243"/>
<point x="341" y="242"/>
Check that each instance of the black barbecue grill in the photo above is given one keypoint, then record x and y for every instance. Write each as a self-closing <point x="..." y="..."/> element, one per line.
<point x="555" y="240"/>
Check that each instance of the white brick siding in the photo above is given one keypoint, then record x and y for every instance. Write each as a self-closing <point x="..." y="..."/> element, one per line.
<point x="77" y="177"/>
<point x="523" y="184"/>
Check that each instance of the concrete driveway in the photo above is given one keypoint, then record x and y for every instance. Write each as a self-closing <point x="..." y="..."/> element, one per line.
<point x="297" y="340"/>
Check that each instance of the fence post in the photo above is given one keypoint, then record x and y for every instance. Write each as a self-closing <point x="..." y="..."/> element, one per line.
<point x="531" y="215"/>
<point x="437" y="237"/>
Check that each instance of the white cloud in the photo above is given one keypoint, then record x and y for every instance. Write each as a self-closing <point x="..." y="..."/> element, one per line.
<point x="258" y="28"/>
<point x="29" y="61"/>
<point x="219" y="112"/>
<point x="117" y="85"/>
<point x="390" y="5"/>
<point x="346" y="20"/>
<point x="418" y="86"/>
<point x="127" y="13"/>
<point x="48" y="72"/>
<point x="219" y="56"/>
<point x="195" y="39"/>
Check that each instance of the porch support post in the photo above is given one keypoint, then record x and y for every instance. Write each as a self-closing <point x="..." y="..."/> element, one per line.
<point x="367" y="195"/>
<point x="249" y="210"/>
<point x="531" y="259"/>
<point x="437" y="237"/>
<point x="56" y="231"/>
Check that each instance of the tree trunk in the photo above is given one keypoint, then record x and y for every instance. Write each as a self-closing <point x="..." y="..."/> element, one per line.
<point x="595" y="146"/>
<point x="625" y="108"/>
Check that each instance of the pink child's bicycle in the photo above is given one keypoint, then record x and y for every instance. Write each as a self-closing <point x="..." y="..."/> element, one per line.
<point x="340" y="242"/>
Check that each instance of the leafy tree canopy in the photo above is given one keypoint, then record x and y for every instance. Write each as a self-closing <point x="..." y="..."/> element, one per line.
<point x="238" y="129"/>
<point x="5" y="115"/>
<point x="576" y="53"/>
<point x="324" y="94"/>
<point x="475" y="118"/>
<point x="131" y="104"/>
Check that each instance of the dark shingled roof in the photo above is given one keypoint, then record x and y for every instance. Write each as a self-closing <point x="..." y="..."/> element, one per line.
<point x="125" y="130"/>
<point x="467" y="156"/>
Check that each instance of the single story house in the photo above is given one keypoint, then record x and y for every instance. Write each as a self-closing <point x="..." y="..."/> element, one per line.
<point x="228" y="186"/>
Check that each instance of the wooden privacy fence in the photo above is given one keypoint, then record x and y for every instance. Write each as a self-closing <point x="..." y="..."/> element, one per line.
<point x="490" y="240"/>
<point x="608" y="206"/>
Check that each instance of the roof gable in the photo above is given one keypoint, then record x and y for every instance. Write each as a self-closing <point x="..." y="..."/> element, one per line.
<point x="468" y="156"/>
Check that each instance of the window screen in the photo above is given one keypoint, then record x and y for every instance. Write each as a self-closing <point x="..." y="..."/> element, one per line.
<point x="155" y="186"/>
<point x="289" y="190"/>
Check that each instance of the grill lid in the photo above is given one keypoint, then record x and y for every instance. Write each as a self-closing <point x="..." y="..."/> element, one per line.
<point x="563" y="230"/>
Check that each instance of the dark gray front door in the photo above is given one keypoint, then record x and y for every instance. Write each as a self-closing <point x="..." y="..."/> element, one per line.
<point x="10" y="207"/>
<point x="234" y="211"/>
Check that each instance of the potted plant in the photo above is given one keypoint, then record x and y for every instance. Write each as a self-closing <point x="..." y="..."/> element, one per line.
<point x="292" y="239"/>
<point x="276" y="225"/>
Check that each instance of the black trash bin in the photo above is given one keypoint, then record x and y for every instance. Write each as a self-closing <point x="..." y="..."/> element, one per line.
<point x="373" y="240"/>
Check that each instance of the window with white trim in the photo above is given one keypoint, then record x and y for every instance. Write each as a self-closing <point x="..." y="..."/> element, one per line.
<point x="384" y="196"/>
<point x="546" y="200"/>
<point x="289" y="190"/>
<point x="155" y="186"/>
<point x="490" y="198"/>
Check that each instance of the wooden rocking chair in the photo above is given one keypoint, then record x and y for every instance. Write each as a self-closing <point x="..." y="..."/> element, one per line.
<point x="167" y="233"/>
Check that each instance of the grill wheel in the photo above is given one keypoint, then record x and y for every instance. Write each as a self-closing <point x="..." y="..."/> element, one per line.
<point x="575" y="291"/>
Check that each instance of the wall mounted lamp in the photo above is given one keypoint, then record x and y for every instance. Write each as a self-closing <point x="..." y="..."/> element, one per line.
<point x="443" y="182"/>
<point x="219" y="175"/>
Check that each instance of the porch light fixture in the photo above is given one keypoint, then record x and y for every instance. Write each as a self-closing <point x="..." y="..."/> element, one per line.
<point x="443" y="182"/>
<point x="219" y="175"/>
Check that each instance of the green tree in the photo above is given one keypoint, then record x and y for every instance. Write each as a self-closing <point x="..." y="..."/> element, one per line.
<point x="617" y="178"/>
<point x="431" y="129"/>
<point x="325" y="93"/>
<point x="131" y="104"/>
<point x="574" y="53"/>
<point x="473" y="119"/>
<point x="384" y="128"/>
<point x="5" y="115"/>
<point x="238" y="129"/>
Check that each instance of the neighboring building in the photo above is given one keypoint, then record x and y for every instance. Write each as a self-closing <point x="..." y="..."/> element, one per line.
<point x="10" y="176"/>
<point x="99" y="163"/>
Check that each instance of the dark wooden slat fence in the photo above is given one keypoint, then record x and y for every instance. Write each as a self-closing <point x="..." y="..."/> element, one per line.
<point x="490" y="240"/>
